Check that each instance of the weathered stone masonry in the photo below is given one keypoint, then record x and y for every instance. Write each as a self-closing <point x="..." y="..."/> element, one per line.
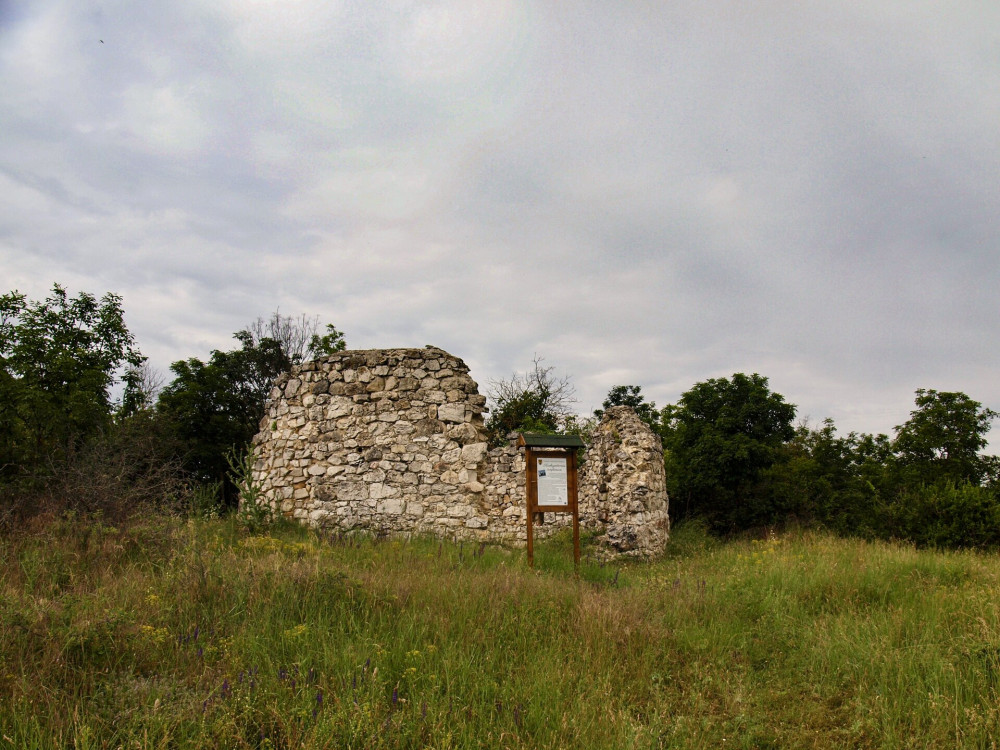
<point x="392" y="441"/>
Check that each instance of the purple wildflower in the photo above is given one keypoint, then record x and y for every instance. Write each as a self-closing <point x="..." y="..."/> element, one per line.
<point x="395" y="696"/>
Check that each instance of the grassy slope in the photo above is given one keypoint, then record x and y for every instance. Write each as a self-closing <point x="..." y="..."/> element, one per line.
<point x="190" y="634"/>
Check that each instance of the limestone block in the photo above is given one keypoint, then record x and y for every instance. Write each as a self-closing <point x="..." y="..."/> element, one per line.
<point x="352" y="491"/>
<point x="477" y="522"/>
<point x="474" y="453"/>
<point x="414" y="509"/>
<point x="392" y="507"/>
<point x="379" y="490"/>
<point x="463" y="433"/>
<point x="339" y="406"/>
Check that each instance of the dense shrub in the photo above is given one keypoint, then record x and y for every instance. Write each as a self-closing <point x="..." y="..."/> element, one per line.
<point x="946" y="515"/>
<point x="125" y="468"/>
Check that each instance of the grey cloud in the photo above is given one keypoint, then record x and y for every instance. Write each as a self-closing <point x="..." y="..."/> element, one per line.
<point x="648" y="194"/>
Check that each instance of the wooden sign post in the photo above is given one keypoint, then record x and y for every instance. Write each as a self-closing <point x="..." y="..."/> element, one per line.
<point x="551" y="482"/>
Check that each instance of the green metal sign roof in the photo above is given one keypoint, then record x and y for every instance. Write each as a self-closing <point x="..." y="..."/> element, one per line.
<point x="532" y="440"/>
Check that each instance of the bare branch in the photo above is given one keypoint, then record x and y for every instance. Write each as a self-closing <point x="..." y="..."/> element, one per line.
<point x="292" y="334"/>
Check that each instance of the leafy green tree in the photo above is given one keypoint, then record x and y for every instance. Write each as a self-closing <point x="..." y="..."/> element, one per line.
<point x="60" y="360"/>
<point x="720" y="437"/>
<point x="942" y="439"/>
<point x="536" y="401"/>
<point x="821" y="477"/>
<point x="216" y="407"/>
<point x="631" y="395"/>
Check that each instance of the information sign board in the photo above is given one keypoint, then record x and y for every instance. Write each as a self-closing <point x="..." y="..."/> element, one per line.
<point x="551" y="483"/>
<point x="553" y="488"/>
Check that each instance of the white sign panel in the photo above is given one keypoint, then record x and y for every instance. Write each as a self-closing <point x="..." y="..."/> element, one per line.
<point x="552" y="487"/>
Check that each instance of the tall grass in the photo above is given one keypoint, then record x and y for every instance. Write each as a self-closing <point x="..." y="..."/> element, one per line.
<point x="170" y="633"/>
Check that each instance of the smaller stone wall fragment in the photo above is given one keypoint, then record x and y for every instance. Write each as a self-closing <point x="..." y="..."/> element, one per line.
<point x="623" y="485"/>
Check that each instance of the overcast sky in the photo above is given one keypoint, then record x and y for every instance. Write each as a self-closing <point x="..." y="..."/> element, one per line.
<point x="640" y="193"/>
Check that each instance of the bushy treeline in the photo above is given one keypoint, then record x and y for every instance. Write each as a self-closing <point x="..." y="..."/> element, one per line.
<point x="84" y="425"/>
<point x="736" y="459"/>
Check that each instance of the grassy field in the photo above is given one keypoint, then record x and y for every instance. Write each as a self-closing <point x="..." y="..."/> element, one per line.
<point x="173" y="633"/>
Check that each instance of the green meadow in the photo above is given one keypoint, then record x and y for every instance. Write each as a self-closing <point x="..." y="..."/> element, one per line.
<point x="173" y="633"/>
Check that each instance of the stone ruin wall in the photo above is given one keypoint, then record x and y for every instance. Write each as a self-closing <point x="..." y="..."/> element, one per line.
<point x="392" y="441"/>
